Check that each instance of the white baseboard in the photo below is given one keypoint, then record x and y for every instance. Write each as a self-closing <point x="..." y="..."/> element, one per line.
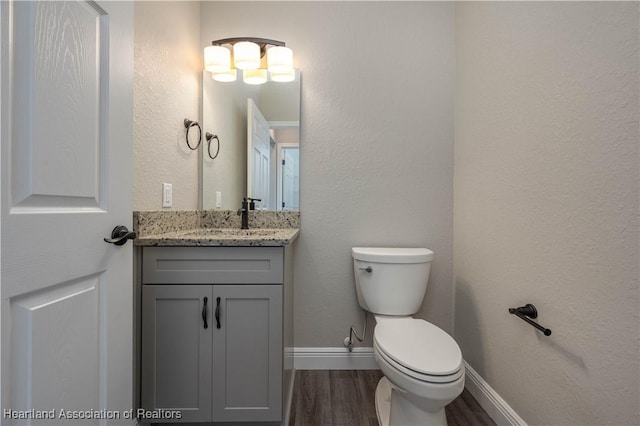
<point x="488" y="398"/>
<point x="334" y="359"/>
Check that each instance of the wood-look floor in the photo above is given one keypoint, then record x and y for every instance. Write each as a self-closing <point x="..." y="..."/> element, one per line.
<point x="346" y="398"/>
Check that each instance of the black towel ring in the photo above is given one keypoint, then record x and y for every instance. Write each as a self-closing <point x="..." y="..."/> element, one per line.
<point x="188" y="124"/>
<point x="209" y="138"/>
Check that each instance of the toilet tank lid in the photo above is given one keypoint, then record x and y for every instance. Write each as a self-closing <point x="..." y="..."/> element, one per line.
<point x="392" y="254"/>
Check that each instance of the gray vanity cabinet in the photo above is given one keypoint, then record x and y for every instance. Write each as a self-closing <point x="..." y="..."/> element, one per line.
<point x="176" y="351"/>
<point x="219" y="360"/>
<point x="247" y="353"/>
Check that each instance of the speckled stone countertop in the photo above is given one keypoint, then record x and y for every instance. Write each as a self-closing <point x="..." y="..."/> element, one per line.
<point x="214" y="228"/>
<point x="208" y="237"/>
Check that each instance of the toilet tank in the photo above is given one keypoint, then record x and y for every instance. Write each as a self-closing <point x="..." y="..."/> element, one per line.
<point x="391" y="281"/>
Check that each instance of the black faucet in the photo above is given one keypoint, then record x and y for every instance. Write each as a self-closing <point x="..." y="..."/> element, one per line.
<point x="252" y="203"/>
<point x="247" y="204"/>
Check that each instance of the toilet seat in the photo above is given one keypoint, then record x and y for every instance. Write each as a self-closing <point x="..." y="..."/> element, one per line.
<point x="419" y="349"/>
<point x="424" y="378"/>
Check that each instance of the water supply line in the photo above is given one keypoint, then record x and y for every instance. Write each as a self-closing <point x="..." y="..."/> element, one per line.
<point x="348" y="341"/>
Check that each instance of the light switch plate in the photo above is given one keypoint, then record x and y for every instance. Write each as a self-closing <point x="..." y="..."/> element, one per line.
<point x="167" y="195"/>
<point x="218" y="199"/>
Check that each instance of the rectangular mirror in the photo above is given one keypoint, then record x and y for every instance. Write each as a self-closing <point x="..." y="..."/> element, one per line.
<point x="259" y="131"/>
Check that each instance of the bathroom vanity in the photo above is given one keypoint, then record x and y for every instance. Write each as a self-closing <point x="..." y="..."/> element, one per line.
<point x="216" y="324"/>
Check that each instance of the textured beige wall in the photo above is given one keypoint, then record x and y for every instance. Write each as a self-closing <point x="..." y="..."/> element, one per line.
<point x="167" y="76"/>
<point x="377" y="143"/>
<point x="546" y="205"/>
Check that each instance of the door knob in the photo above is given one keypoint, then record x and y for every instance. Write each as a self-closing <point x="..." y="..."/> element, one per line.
<point x="120" y="235"/>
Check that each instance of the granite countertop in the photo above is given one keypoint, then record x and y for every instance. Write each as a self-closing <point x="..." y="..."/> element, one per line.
<point x="215" y="228"/>
<point x="208" y="237"/>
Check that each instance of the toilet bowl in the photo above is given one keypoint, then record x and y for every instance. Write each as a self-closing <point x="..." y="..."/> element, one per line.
<point x="422" y="365"/>
<point x="423" y="372"/>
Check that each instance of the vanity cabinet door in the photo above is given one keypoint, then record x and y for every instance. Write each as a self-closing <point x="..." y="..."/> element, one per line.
<point x="247" y="353"/>
<point x="176" y="350"/>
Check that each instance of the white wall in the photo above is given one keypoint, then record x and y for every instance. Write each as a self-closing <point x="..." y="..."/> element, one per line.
<point x="546" y="205"/>
<point x="377" y="142"/>
<point x="167" y="76"/>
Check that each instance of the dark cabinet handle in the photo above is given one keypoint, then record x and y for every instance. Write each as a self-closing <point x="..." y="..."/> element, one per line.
<point x="120" y="235"/>
<point x="204" y="313"/>
<point x="218" y="312"/>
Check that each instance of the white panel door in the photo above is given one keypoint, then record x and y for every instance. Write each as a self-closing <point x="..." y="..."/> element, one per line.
<point x="257" y="155"/>
<point x="66" y="70"/>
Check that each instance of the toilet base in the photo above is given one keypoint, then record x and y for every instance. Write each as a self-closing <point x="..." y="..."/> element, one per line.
<point x="405" y="413"/>
<point x="383" y="401"/>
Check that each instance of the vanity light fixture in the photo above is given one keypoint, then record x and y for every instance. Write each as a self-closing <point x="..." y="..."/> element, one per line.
<point x="249" y="56"/>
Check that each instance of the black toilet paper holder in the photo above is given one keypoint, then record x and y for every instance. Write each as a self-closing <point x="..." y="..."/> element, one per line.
<point x="529" y="311"/>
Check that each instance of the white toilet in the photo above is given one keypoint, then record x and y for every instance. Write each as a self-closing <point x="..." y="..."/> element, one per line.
<point x="422" y="364"/>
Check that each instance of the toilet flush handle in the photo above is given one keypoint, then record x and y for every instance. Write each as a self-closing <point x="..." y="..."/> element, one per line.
<point x="367" y="269"/>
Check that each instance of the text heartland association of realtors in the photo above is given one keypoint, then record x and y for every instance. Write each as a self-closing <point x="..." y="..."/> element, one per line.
<point x="54" y="414"/>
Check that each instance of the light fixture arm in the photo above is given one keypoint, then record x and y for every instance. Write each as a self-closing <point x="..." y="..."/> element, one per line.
<point x="262" y="42"/>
